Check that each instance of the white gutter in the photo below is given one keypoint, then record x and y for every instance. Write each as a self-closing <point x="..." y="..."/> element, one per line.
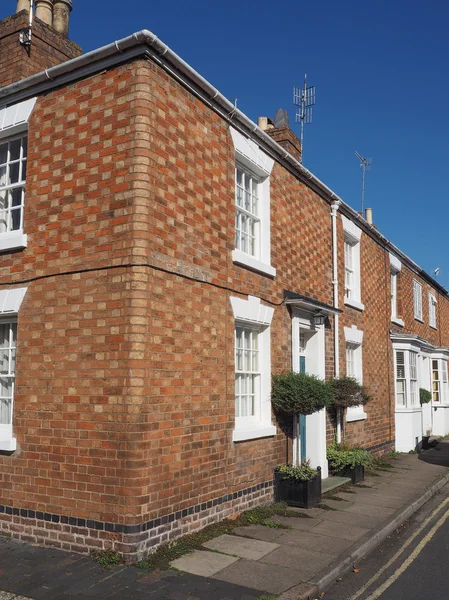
<point x="334" y="212"/>
<point x="145" y="43"/>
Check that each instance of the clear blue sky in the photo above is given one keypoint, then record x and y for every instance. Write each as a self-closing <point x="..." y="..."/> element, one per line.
<point x="382" y="81"/>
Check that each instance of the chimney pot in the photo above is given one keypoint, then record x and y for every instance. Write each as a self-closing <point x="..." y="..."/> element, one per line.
<point x="263" y="123"/>
<point x="23" y="5"/>
<point x="44" y="11"/>
<point x="369" y="215"/>
<point x="61" y="16"/>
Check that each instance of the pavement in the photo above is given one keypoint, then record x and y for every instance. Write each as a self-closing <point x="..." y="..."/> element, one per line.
<point x="256" y="561"/>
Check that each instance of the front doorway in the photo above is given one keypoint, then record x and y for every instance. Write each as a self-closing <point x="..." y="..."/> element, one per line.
<point x="308" y="356"/>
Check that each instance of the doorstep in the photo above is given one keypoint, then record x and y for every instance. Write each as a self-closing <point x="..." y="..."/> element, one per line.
<point x="332" y="482"/>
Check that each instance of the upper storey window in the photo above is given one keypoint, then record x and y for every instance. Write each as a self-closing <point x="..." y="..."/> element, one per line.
<point x="252" y="205"/>
<point x="13" y="168"/>
<point x="352" y="235"/>
<point x="13" y="163"/>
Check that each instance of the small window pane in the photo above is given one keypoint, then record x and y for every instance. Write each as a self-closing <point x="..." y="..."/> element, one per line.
<point x="14" y="149"/>
<point x="3" y="153"/>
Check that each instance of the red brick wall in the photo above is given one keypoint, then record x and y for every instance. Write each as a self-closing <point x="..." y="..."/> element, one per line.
<point x="48" y="49"/>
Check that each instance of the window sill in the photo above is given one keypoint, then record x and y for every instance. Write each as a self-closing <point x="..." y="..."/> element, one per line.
<point x="241" y="435"/>
<point x="433" y="327"/>
<point x="241" y="258"/>
<point x="418" y="319"/>
<point x="359" y="416"/>
<point x="13" y="240"/>
<point x="409" y="409"/>
<point x="354" y="304"/>
<point x="8" y="445"/>
<point x="397" y="321"/>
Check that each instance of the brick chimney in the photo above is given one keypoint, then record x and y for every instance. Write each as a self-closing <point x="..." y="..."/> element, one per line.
<point x="48" y="47"/>
<point x="280" y="131"/>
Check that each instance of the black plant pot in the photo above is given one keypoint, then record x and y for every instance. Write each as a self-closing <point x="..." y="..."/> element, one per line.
<point x="303" y="494"/>
<point x="357" y="474"/>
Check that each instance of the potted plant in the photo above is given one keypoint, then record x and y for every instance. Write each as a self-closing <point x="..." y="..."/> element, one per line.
<point x="347" y="392"/>
<point x="298" y="485"/>
<point x="293" y="393"/>
<point x="348" y="462"/>
<point x="424" y="398"/>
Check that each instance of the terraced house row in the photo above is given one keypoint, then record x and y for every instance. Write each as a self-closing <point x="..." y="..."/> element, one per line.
<point x="161" y="257"/>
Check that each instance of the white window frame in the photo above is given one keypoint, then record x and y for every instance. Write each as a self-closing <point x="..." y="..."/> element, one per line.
<point x="252" y="314"/>
<point x="417" y="301"/>
<point x="14" y="124"/>
<point x="411" y="376"/>
<point x="353" y="348"/>
<point x="10" y="302"/>
<point x="432" y="310"/>
<point x="8" y="357"/>
<point x="250" y="159"/>
<point x="352" y="237"/>
<point x="442" y="378"/>
<point x="395" y="269"/>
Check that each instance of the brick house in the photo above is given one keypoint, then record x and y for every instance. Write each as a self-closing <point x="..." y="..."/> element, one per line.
<point x="169" y="256"/>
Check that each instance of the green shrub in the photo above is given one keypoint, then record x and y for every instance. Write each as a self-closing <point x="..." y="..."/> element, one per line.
<point x="293" y="393"/>
<point x="341" y="458"/>
<point x="348" y="392"/>
<point x="424" y="396"/>
<point x="303" y="472"/>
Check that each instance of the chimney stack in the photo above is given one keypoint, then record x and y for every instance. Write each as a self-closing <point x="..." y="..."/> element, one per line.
<point x="44" y="11"/>
<point x="61" y="16"/>
<point x="23" y="5"/>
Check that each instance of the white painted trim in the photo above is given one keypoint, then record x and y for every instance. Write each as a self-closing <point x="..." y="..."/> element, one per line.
<point x="13" y="240"/>
<point x="253" y="433"/>
<point x="8" y="444"/>
<point x="353" y="335"/>
<point x="251" y="311"/>
<point x="11" y="300"/>
<point x="395" y="264"/>
<point x="397" y="321"/>
<point x="14" y="118"/>
<point x="251" y="153"/>
<point x="351" y="229"/>
<point x="242" y="258"/>
<point x="355" y="414"/>
<point x="354" y="304"/>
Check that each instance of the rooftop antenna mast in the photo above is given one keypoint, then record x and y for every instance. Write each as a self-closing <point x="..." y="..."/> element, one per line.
<point x="304" y="99"/>
<point x="365" y="165"/>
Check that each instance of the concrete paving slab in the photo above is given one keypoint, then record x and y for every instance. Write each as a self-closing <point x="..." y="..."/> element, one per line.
<point x="242" y="547"/>
<point x="381" y="499"/>
<point x="331" y="483"/>
<point x="353" y="519"/>
<point x="301" y="560"/>
<point x="338" y="504"/>
<point x="259" y="532"/>
<point x="371" y="510"/>
<point x="294" y="523"/>
<point x="201" y="562"/>
<point x="329" y="544"/>
<point x="341" y="530"/>
<point x="271" y="578"/>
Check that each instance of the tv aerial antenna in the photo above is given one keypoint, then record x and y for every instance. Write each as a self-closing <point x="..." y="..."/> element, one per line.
<point x="365" y="165"/>
<point x="304" y="99"/>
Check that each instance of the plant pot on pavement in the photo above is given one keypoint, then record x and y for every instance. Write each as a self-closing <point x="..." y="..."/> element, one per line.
<point x="356" y="474"/>
<point x="302" y="494"/>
